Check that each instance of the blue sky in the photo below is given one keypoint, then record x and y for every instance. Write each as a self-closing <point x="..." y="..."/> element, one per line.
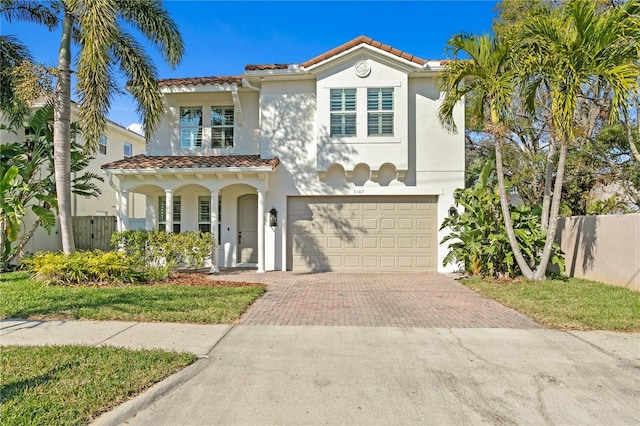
<point x="222" y="37"/>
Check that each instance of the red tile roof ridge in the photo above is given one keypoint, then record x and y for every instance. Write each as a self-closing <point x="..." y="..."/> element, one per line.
<point x="191" y="161"/>
<point x="362" y="40"/>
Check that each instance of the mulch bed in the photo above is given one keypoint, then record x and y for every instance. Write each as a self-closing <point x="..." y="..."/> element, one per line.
<point x="201" y="280"/>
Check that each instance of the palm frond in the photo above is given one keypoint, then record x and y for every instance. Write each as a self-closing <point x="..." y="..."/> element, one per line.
<point x="136" y="65"/>
<point x="152" y="20"/>
<point x="45" y="13"/>
<point x="95" y="81"/>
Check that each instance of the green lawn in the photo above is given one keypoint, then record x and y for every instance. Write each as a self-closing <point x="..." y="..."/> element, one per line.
<point x="71" y="385"/>
<point x="21" y="297"/>
<point x="567" y="304"/>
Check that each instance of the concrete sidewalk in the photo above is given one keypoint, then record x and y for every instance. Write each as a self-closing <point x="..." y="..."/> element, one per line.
<point x="197" y="339"/>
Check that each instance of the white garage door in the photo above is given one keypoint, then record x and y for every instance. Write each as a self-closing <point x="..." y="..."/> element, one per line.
<point x="365" y="233"/>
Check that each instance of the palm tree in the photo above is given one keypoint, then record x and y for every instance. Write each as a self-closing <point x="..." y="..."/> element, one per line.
<point x="564" y="49"/>
<point x="571" y="48"/>
<point x="99" y="29"/>
<point x="487" y="80"/>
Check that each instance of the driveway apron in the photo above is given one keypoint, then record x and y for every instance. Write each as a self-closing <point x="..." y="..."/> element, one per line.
<point x="426" y="300"/>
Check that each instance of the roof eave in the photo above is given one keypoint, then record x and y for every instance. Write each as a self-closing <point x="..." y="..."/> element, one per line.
<point x="199" y="88"/>
<point x="186" y="170"/>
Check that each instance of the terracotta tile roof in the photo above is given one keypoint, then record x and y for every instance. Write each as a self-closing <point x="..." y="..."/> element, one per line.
<point x="264" y="67"/>
<point x="362" y="40"/>
<point x="342" y="48"/>
<point x="200" y="81"/>
<point x="191" y="161"/>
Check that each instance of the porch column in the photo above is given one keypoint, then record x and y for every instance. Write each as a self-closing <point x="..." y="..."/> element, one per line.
<point x="214" y="231"/>
<point x="168" y="210"/>
<point x="118" y="210"/>
<point x="124" y="210"/>
<point x="261" y="210"/>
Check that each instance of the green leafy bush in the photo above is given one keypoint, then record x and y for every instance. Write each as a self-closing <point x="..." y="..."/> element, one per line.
<point x="86" y="267"/>
<point x="479" y="238"/>
<point x="158" y="248"/>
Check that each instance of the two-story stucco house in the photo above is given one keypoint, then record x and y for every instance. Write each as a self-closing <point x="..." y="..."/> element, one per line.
<point x="338" y="163"/>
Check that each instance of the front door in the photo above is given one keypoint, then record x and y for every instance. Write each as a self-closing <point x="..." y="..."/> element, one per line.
<point x="248" y="228"/>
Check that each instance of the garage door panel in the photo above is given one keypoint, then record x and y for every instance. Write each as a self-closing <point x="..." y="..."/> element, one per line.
<point x="388" y="242"/>
<point x="385" y="233"/>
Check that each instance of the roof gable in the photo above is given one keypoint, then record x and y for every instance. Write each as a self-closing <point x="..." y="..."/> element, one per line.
<point x="336" y="51"/>
<point x="357" y="42"/>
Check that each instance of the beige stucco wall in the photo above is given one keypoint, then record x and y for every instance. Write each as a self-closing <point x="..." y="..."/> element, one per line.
<point x="602" y="248"/>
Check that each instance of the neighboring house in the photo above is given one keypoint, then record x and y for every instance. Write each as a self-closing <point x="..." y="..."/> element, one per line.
<point x="116" y="143"/>
<point x="338" y="163"/>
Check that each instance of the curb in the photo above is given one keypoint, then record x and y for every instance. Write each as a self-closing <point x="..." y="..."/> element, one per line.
<point x="131" y="408"/>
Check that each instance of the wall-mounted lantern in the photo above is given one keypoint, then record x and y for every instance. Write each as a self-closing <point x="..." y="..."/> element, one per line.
<point x="273" y="217"/>
<point x="453" y="211"/>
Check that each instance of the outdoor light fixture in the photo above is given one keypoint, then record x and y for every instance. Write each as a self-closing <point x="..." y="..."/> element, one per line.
<point x="453" y="211"/>
<point x="273" y="217"/>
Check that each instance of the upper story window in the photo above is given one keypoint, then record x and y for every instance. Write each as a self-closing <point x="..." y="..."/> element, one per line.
<point x="128" y="149"/>
<point x="380" y="112"/>
<point x="222" y="121"/>
<point x="190" y="127"/>
<point x="102" y="144"/>
<point x="343" y="112"/>
<point x="162" y="213"/>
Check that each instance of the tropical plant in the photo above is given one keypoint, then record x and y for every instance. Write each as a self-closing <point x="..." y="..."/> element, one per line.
<point x="99" y="29"/>
<point x="478" y="239"/>
<point x="26" y="174"/>
<point x="487" y="79"/>
<point x="570" y="48"/>
<point x="560" y="50"/>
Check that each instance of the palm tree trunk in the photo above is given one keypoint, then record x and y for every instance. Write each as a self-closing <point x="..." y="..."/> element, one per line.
<point x="541" y="270"/>
<point x="548" y="178"/>
<point x="504" y="204"/>
<point x="632" y="142"/>
<point x="62" y="136"/>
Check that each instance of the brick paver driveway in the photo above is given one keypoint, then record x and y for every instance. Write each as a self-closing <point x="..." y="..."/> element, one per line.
<point x="372" y="299"/>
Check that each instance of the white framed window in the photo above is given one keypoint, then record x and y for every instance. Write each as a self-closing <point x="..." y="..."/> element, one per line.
<point x="343" y="112"/>
<point x="128" y="150"/>
<point x="190" y="127"/>
<point x="204" y="214"/>
<point x="222" y="121"/>
<point x="162" y="217"/>
<point x="102" y="145"/>
<point x="380" y="112"/>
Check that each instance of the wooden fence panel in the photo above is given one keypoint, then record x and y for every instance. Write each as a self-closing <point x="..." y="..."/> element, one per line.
<point x="93" y="232"/>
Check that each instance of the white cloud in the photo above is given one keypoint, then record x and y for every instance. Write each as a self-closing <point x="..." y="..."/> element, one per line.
<point x="137" y="128"/>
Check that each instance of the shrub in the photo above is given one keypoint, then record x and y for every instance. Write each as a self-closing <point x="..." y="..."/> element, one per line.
<point x="479" y="238"/>
<point x="158" y="248"/>
<point x="86" y="267"/>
